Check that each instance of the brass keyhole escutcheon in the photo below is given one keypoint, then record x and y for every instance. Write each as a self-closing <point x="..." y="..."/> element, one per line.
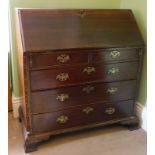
<point x="82" y="13"/>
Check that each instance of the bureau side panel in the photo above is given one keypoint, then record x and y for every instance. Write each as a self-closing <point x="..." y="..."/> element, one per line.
<point x="22" y="73"/>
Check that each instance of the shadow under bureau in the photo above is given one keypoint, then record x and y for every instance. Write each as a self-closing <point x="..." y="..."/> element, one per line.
<point x="78" y="69"/>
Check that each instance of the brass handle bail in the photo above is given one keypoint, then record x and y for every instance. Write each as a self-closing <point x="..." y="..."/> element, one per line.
<point x="89" y="70"/>
<point x="115" y="54"/>
<point x="62" y="76"/>
<point x="112" y="90"/>
<point x="62" y="97"/>
<point x="62" y="119"/>
<point x="87" y="110"/>
<point x="110" y="111"/>
<point x="88" y="89"/>
<point x="113" y="70"/>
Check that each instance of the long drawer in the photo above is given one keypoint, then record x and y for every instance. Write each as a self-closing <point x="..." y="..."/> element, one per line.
<point x="82" y="115"/>
<point x="57" y="99"/>
<point x="53" y="78"/>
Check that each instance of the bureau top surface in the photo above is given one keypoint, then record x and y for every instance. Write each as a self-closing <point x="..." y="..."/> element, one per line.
<point x="46" y="29"/>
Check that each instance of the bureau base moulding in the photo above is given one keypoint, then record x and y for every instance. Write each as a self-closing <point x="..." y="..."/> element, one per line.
<point x="33" y="141"/>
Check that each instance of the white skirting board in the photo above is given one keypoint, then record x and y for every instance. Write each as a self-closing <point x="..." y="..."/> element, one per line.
<point x="140" y="110"/>
<point x="16" y="102"/>
<point x="142" y="115"/>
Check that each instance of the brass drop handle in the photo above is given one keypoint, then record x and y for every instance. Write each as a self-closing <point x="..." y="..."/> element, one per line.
<point x="63" y="58"/>
<point x="62" y="76"/>
<point x="89" y="70"/>
<point x="62" y="97"/>
<point x="88" y="89"/>
<point x="115" y="54"/>
<point x="112" y="90"/>
<point x="87" y="110"/>
<point x="62" y="119"/>
<point x="113" y="70"/>
<point x="109" y="111"/>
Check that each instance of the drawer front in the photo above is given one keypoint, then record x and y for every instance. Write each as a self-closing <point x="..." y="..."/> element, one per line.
<point x="46" y="79"/>
<point x="115" y="55"/>
<point x="46" y="60"/>
<point x="82" y="115"/>
<point x="58" y="99"/>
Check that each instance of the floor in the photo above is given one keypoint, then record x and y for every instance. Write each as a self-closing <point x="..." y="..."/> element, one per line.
<point x="112" y="140"/>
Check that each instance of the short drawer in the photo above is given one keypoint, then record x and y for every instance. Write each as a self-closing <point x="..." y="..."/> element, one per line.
<point x="45" y="60"/>
<point x="82" y="115"/>
<point x="115" y="55"/>
<point x="58" y="99"/>
<point x="54" y="78"/>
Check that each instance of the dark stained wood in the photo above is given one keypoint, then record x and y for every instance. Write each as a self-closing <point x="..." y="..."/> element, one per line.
<point x="76" y="116"/>
<point x="65" y="29"/>
<point x="23" y="69"/>
<point x="132" y="124"/>
<point x="46" y="79"/>
<point x="105" y="55"/>
<point x="46" y="101"/>
<point x="31" y="146"/>
<point x="52" y="42"/>
<point x="47" y="59"/>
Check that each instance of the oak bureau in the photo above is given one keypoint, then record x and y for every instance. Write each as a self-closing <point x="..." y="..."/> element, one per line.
<point x="78" y="69"/>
